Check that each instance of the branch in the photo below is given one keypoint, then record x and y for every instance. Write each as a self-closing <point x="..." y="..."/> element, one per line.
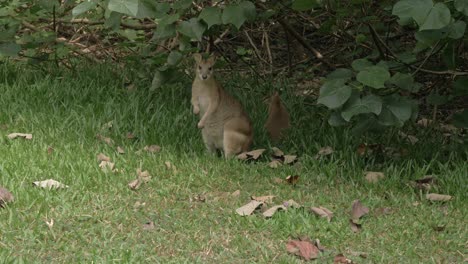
<point x="93" y="23"/>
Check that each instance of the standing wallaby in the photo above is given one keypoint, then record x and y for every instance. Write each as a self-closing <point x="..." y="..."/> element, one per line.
<point x="224" y="123"/>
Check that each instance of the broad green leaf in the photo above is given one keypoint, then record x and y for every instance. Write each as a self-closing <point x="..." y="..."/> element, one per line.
<point x="430" y="37"/>
<point x="192" y="28"/>
<point x="461" y="119"/>
<point x="164" y="32"/>
<point x="460" y="86"/>
<point x="83" y="7"/>
<point x="334" y="93"/>
<point x="211" y="15"/>
<point x="462" y="6"/>
<point x="457" y="30"/>
<point x="147" y="8"/>
<point x="182" y="4"/>
<point x="128" y="7"/>
<point x="9" y="49"/>
<point x="403" y="80"/>
<point x="113" y="21"/>
<point x="356" y="106"/>
<point x="248" y="8"/>
<point x="174" y="58"/>
<point x="374" y="77"/>
<point x="157" y="80"/>
<point x="396" y="110"/>
<point x="304" y="5"/>
<point x="162" y="9"/>
<point x="361" y="64"/>
<point x="439" y="17"/>
<point x="341" y="73"/>
<point x="335" y="119"/>
<point x="234" y="14"/>
<point x="168" y="19"/>
<point x="415" y="9"/>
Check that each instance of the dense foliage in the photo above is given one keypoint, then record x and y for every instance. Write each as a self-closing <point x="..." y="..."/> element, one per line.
<point x="388" y="44"/>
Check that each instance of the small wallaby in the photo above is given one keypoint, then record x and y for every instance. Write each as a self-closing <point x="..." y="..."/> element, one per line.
<point x="278" y="118"/>
<point x="224" y="123"/>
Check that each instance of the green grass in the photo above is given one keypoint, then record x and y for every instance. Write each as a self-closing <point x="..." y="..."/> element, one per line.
<point x="95" y="218"/>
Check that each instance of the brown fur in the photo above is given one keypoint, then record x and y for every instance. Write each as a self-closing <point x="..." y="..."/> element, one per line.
<point x="224" y="123"/>
<point x="278" y="118"/>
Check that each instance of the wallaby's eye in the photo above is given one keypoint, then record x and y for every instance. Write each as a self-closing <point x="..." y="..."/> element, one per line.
<point x="209" y="68"/>
<point x="199" y="67"/>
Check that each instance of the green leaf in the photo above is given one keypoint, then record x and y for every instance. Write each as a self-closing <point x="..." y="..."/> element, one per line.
<point x="335" y="119"/>
<point x="361" y="64"/>
<point x="248" y="8"/>
<point x="162" y="9"/>
<point x="396" y="110"/>
<point x="182" y="4"/>
<point x="174" y="58"/>
<point x="403" y="80"/>
<point x="341" y="73"/>
<point x="462" y="6"/>
<point x="439" y="17"/>
<point x="356" y="106"/>
<point x="157" y="80"/>
<point x="374" y="76"/>
<point x="461" y="119"/>
<point x="9" y="49"/>
<point x="83" y="7"/>
<point x="460" y="86"/>
<point x="211" y="15"/>
<point x="415" y="9"/>
<point x="334" y="93"/>
<point x="304" y="5"/>
<point x="233" y="14"/>
<point x="164" y="32"/>
<point x="457" y="30"/>
<point x="193" y="29"/>
<point x="113" y="21"/>
<point x="128" y="7"/>
<point x="147" y="8"/>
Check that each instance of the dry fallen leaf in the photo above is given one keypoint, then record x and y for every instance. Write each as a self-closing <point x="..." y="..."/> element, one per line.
<point x="170" y="166"/>
<point x="130" y="135"/>
<point x="383" y="211"/>
<point x="135" y="184"/>
<point x="106" y="166"/>
<point x="434" y="197"/>
<point x="107" y="126"/>
<point x="50" y="184"/>
<point x="291" y="203"/>
<point x="278" y="180"/>
<point x="249" y="208"/>
<point x="374" y="176"/>
<point x="120" y="150"/>
<point x="271" y="211"/>
<point x="102" y="157"/>
<point x="325" y="151"/>
<point x="235" y="193"/>
<point x="152" y="148"/>
<point x="292" y="179"/>
<point x="148" y="225"/>
<point x="289" y="159"/>
<point x="277" y="153"/>
<point x="201" y="198"/>
<point x="322" y="212"/>
<point x="275" y="164"/>
<point x="251" y="155"/>
<point x="425" y="183"/>
<point x="22" y="135"/>
<point x="303" y="248"/>
<point x="104" y="139"/>
<point x="355" y="226"/>
<point x="50" y="150"/>
<point x="50" y="223"/>
<point x="264" y="199"/>
<point x="5" y="197"/>
<point x="358" y="210"/>
<point x="340" y="258"/>
<point x="411" y="139"/>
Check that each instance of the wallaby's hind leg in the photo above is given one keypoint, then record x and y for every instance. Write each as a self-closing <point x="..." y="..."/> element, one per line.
<point x="236" y="138"/>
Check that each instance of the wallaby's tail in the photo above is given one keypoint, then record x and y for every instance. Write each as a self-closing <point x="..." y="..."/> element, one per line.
<point x="278" y="118"/>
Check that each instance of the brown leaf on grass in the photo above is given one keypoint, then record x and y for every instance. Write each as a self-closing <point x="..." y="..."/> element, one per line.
<point x="340" y="258"/>
<point x="130" y="135"/>
<point x="170" y="166"/>
<point x="200" y="198"/>
<point x="358" y="210"/>
<point x="303" y="248"/>
<point x="383" y="211"/>
<point x="144" y="176"/>
<point x="374" y="176"/>
<point x="435" y="197"/>
<point x="272" y="210"/>
<point x="49" y="184"/>
<point x="426" y="179"/>
<point x="325" y="151"/>
<point x="107" y="166"/>
<point x="120" y="150"/>
<point x="425" y="183"/>
<point x="291" y="204"/>
<point x="50" y="150"/>
<point x="148" y="225"/>
<point x="263" y="199"/>
<point x="411" y="139"/>
<point x="278" y="180"/>
<point x="21" y="135"/>
<point x="251" y="155"/>
<point x="5" y="197"/>
<point x="275" y="164"/>
<point x="289" y="159"/>
<point x="135" y="184"/>
<point x="107" y="126"/>
<point x="152" y="148"/>
<point x="235" y="193"/>
<point x="277" y="153"/>
<point x="102" y="157"/>
<point x="438" y="228"/>
<point x="355" y="226"/>
<point x="104" y="139"/>
<point x="292" y="179"/>
<point x="322" y="212"/>
<point x="249" y="208"/>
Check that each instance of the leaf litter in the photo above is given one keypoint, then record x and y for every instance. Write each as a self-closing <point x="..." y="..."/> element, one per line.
<point x="303" y="248"/>
<point x="322" y="212"/>
<point x="5" y="197"/>
<point x="435" y="197"/>
<point x="20" y="135"/>
<point x="374" y="176"/>
<point x="142" y="177"/>
<point x="50" y="184"/>
<point x="358" y="210"/>
<point x="251" y="155"/>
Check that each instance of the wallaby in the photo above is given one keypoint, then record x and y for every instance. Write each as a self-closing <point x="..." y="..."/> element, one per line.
<point x="224" y="123"/>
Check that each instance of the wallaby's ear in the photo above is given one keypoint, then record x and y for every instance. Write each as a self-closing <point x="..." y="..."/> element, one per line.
<point x="212" y="59"/>
<point x="197" y="57"/>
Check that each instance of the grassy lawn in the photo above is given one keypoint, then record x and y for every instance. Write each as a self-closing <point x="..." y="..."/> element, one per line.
<point x="98" y="217"/>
